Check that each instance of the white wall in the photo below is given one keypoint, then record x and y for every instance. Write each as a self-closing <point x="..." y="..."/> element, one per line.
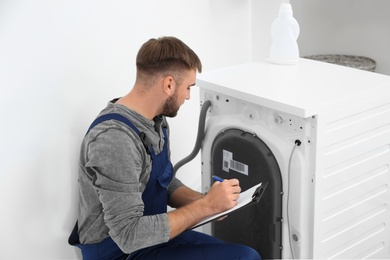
<point x="352" y="27"/>
<point x="60" y="63"/>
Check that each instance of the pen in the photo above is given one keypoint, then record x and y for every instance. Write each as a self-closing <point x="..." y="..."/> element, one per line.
<point x="216" y="178"/>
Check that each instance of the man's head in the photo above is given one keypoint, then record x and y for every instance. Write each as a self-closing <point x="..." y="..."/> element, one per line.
<point x="165" y="56"/>
<point x="169" y="61"/>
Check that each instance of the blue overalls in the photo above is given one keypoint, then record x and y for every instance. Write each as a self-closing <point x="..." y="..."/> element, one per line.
<point x="189" y="245"/>
<point x="155" y="195"/>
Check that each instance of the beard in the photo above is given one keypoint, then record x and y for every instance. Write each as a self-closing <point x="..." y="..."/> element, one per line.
<point x="170" y="107"/>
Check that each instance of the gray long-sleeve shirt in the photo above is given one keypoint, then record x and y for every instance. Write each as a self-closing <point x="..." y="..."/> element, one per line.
<point x="114" y="169"/>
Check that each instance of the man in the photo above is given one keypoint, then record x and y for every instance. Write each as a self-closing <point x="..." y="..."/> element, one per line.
<point x="126" y="179"/>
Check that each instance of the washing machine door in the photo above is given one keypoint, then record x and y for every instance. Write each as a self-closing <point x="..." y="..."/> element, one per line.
<point x="238" y="154"/>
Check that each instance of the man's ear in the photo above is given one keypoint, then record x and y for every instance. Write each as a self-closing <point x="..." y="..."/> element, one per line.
<point x="169" y="85"/>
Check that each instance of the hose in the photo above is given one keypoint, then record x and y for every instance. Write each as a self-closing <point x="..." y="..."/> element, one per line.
<point x="297" y="143"/>
<point x="199" y="138"/>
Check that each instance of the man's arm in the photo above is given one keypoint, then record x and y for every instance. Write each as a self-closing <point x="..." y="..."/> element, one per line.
<point x="222" y="196"/>
<point x="183" y="196"/>
<point x="114" y="171"/>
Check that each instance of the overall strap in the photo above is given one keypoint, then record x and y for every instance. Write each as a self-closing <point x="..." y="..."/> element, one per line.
<point x="123" y="119"/>
<point x="114" y="116"/>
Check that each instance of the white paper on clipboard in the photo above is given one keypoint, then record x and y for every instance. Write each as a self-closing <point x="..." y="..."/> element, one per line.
<point x="245" y="198"/>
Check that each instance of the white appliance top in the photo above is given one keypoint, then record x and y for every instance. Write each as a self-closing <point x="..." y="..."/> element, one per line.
<point x="304" y="90"/>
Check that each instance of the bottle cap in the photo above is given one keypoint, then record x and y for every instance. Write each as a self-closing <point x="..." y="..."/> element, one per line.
<point x="285" y="10"/>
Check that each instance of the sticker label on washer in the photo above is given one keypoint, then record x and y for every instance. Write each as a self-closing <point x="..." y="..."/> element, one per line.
<point x="228" y="163"/>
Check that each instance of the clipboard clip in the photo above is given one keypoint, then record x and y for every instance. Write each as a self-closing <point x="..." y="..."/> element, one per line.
<point x="259" y="193"/>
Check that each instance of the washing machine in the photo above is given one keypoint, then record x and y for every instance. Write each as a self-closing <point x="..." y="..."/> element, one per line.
<point x="319" y="136"/>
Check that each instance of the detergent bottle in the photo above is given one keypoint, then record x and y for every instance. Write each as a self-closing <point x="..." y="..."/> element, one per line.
<point x="284" y="32"/>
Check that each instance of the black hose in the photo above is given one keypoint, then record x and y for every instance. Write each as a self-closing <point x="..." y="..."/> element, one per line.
<point x="199" y="138"/>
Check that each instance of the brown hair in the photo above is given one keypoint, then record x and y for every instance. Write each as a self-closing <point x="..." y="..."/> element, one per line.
<point x="165" y="55"/>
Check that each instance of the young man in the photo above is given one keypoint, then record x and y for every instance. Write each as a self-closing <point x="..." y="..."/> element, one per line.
<point x="126" y="178"/>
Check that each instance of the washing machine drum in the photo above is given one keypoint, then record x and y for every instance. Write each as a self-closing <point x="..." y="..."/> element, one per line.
<point x="239" y="154"/>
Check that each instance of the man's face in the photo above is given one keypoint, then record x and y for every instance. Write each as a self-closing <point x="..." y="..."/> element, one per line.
<point x="182" y="93"/>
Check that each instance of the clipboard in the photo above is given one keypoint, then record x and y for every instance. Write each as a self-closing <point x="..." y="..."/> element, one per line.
<point x="248" y="197"/>
<point x="259" y="193"/>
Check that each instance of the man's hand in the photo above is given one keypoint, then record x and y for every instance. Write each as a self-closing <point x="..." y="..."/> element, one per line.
<point x="221" y="196"/>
